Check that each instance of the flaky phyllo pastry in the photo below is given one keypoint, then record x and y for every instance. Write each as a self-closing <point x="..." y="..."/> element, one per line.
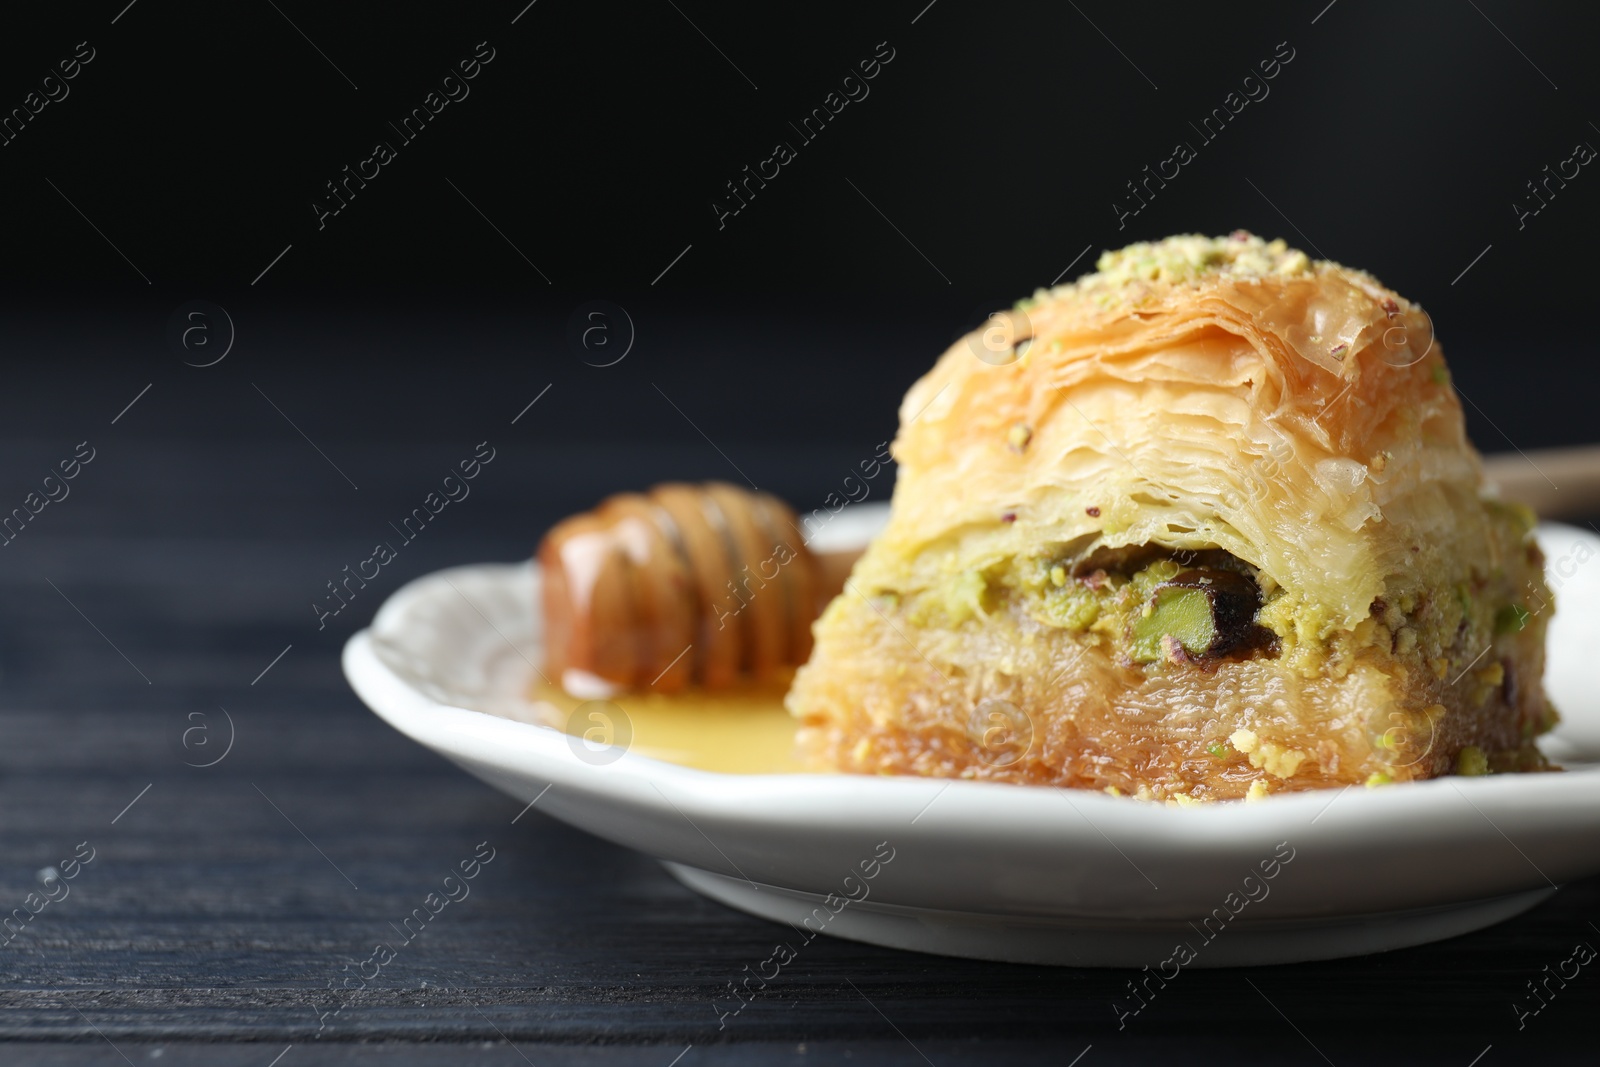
<point x="1204" y="524"/>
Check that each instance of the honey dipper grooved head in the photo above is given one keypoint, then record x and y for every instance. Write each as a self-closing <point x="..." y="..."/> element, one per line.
<point x="707" y="585"/>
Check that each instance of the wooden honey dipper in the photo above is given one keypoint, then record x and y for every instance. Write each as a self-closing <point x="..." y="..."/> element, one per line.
<point x="707" y="585"/>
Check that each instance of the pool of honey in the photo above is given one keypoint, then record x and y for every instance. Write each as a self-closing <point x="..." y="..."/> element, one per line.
<point x="743" y="731"/>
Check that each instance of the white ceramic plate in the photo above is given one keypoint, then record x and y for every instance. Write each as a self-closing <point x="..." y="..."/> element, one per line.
<point x="1014" y="873"/>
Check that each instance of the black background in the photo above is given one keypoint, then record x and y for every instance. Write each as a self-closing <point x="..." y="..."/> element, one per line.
<point x="380" y="349"/>
<point x="596" y="141"/>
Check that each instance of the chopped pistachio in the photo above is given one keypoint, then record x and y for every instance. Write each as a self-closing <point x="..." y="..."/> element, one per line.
<point x="1377" y="778"/>
<point x="1206" y="611"/>
<point x="1074" y="606"/>
<point x="1058" y="576"/>
<point x="1472" y="763"/>
<point x="1218" y="749"/>
<point x="1162" y="570"/>
<point x="1511" y="619"/>
<point x="1019" y="435"/>
<point x="965" y="596"/>
<point x="1548" y="717"/>
<point x="1520" y="514"/>
<point x="1184" y="614"/>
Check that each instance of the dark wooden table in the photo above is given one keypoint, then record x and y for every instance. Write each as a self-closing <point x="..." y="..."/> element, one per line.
<point x="223" y="901"/>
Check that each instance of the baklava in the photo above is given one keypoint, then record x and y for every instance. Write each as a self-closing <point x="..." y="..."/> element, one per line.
<point x="1204" y="524"/>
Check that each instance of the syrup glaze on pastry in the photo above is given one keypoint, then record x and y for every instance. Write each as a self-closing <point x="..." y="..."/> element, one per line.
<point x="1204" y="524"/>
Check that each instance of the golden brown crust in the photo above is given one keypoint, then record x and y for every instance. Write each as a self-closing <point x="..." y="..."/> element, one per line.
<point x="1193" y="396"/>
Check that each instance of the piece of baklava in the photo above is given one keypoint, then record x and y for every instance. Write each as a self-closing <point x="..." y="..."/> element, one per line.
<point x="1204" y="524"/>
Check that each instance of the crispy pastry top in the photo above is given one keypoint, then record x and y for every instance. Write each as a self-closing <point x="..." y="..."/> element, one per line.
<point x="1195" y="393"/>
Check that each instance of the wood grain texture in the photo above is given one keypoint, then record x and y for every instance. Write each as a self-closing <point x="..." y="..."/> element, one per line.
<point x="210" y="923"/>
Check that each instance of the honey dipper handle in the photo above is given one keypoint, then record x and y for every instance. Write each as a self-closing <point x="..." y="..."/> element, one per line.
<point x="1556" y="483"/>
